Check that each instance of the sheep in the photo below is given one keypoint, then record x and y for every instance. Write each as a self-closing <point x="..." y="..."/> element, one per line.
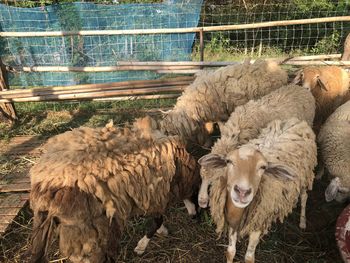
<point x="334" y="144"/>
<point x="213" y="96"/>
<point x="247" y="120"/>
<point x="90" y="181"/>
<point x="254" y="193"/>
<point x="329" y="85"/>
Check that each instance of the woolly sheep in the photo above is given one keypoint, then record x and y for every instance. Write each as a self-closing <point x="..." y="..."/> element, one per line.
<point x="213" y="96"/>
<point x="89" y="182"/>
<point x="254" y="193"/>
<point x="329" y="85"/>
<point x="247" y="120"/>
<point x="334" y="144"/>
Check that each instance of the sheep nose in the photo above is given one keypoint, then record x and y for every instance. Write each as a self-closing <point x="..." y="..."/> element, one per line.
<point x="242" y="192"/>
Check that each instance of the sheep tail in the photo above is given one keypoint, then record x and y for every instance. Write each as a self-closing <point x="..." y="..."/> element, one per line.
<point x="43" y="230"/>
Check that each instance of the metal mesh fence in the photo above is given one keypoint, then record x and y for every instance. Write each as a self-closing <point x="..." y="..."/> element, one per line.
<point x="95" y="50"/>
<point x="320" y="38"/>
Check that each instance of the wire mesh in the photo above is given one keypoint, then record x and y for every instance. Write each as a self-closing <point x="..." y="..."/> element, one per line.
<point x="320" y="38"/>
<point x="95" y="50"/>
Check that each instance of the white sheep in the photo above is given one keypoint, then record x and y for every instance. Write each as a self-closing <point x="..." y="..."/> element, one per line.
<point x="329" y="85"/>
<point x="254" y="193"/>
<point x="247" y="120"/>
<point x="334" y="144"/>
<point x="213" y="96"/>
<point x="89" y="182"/>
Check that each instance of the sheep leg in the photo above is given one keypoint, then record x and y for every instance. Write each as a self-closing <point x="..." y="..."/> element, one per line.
<point x="157" y="226"/>
<point x="254" y="238"/>
<point x="203" y="197"/>
<point x="191" y="207"/>
<point x="303" y="200"/>
<point x="231" y="250"/>
<point x="319" y="171"/>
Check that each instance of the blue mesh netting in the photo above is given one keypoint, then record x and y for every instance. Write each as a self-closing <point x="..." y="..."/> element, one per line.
<point x="95" y="50"/>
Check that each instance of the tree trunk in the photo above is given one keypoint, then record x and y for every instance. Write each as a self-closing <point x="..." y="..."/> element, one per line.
<point x="346" y="52"/>
<point x="7" y="110"/>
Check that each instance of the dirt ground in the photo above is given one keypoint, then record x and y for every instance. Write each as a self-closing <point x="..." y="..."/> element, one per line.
<point x="192" y="241"/>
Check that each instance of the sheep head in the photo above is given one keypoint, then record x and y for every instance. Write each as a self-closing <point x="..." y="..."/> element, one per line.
<point x="312" y="79"/>
<point x="244" y="168"/>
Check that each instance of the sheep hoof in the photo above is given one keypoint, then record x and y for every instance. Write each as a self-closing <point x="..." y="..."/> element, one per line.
<point x="229" y="257"/>
<point x="191" y="207"/>
<point x="249" y="260"/>
<point x="162" y="230"/>
<point x="141" y="245"/>
<point x="302" y="225"/>
<point x="203" y="202"/>
<point x="138" y="251"/>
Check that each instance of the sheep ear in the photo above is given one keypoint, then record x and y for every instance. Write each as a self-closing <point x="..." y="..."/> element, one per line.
<point x="298" y="78"/>
<point x="212" y="160"/>
<point x="321" y="83"/>
<point x="281" y="171"/>
<point x="332" y="189"/>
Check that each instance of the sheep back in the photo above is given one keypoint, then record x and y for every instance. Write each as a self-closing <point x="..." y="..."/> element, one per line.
<point x="247" y="120"/>
<point x="289" y="142"/>
<point x="128" y="170"/>
<point x="334" y="144"/>
<point x="214" y="95"/>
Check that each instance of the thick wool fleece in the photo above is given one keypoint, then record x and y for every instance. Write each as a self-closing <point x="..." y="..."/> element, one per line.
<point x="213" y="96"/>
<point x="334" y="143"/>
<point x="130" y="171"/>
<point x="289" y="142"/>
<point x="246" y="121"/>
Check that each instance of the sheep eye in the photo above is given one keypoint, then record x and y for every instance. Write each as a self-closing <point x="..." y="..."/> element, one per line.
<point x="228" y="161"/>
<point x="263" y="167"/>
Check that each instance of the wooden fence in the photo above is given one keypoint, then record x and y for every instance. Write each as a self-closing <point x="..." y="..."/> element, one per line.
<point x="138" y="89"/>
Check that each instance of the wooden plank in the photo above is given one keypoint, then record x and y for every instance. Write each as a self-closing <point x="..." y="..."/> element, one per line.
<point x="121" y="85"/>
<point x="7" y="110"/>
<point x="45" y="92"/>
<point x="97" y="94"/>
<point x="100" y="68"/>
<point x="19" y="187"/>
<point x="10" y="205"/>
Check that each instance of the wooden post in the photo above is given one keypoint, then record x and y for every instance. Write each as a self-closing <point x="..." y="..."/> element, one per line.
<point x="346" y="50"/>
<point x="7" y="109"/>
<point x="201" y="45"/>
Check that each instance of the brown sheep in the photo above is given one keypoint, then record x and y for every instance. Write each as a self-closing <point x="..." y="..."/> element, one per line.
<point x="89" y="182"/>
<point x="329" y="85"/>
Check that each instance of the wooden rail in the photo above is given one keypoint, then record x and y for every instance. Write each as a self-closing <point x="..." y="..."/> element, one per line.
<point x="162" y="66"/>
<point x="176" y="30"/>
<point x="145" y="89"/>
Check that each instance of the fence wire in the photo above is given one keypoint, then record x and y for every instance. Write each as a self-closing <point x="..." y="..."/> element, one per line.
<point x="320" y="38"/>
<point x="95" y="50"/>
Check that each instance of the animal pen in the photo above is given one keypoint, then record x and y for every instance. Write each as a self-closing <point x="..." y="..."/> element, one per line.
<point x="122" y="51"/>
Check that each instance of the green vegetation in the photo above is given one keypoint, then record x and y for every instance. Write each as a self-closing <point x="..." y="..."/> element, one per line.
<point x="37" y="3"/>
<point x="50" y="118"/>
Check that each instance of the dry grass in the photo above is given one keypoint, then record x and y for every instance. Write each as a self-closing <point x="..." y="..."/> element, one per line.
<point x="189" y="240"/>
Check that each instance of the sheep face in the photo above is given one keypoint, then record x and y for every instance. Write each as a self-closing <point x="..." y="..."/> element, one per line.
<point x="311" y="79"/>
<point x="244" y="168"/>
